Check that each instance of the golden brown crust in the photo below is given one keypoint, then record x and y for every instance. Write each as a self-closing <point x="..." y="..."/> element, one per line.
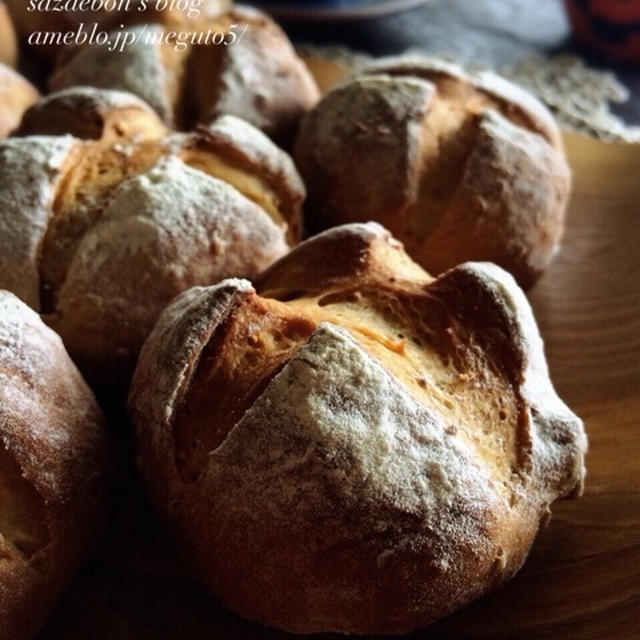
<point x="8" y="43"/>
<point x="458" y="167"/>
<point x="356" y="446"/>
<point x="53" y="463"/>
<point x="258" y="78"/>
<point x="92" y="114"/>
<point x="245" y="147"/>
<point x="108" y="232"/>
<point x="16" y="95"/>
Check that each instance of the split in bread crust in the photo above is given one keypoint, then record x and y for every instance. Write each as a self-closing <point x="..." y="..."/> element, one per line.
<point x="53" y="464"/>
<point x="353" y="445"/>
<point x="458" y="167"/>
<point x="100" y="236"/>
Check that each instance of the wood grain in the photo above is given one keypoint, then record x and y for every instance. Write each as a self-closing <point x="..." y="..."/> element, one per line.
<point x="582" y="579"/>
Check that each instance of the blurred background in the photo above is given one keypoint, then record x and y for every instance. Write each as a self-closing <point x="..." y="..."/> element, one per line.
<point x="506" y="35"/>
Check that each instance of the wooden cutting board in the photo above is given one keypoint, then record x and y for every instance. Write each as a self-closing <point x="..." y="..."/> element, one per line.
<point x="582" y="579"/>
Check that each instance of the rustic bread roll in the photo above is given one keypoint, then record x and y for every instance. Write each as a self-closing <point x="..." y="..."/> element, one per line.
<point x="458" y="167"/>
<point x="355" y="446"/>
<point x="100" y="237"/>
<point x="258" y="78"/>
<point x="92" y="114"/>
<point x="8" y="43"/>
<point x="16" y="95"/>
<point x="53" y="458"/>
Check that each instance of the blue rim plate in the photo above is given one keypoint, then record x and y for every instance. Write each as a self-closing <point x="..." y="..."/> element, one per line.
<point x="335" y="9"/>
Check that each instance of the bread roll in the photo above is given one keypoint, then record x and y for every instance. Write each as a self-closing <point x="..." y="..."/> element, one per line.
<point x="458" y="167"/>
<point x="8" y="43"/>
<point x="92" y="114"/>
<point x="353" y="446"/>
<point x="16" y="95"/>
<point x="100" y="237"/>
<point x="53" y="459"/>
<point x="258" y="78"/>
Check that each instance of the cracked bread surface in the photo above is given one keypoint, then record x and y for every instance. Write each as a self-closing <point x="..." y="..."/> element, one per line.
<point x="53" y="468"/>
<point x="100" y="235"/>
<point x="353" y="445"/>
<point x="459" y="167"/>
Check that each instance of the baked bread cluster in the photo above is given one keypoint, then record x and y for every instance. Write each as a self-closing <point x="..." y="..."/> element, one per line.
<point x="258" y="78"/>
<point x="53" y="467"/>
<point x="348" y="444"/>
<point x="351" y="445"/>
<point x="99" y="235"/>
<point x="459" y="167"/>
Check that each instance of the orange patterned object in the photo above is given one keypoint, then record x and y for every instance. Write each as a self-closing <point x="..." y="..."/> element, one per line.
<point x="610" y="27"/>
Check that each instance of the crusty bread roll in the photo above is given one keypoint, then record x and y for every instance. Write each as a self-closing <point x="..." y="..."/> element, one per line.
<point x="458" y="167"/>
<point x="355" y="446"/>
<point x="53" y="459"/>
<point x="92" y="114"/>
<point x="100" y="237"/>
<point x="8" y="42"/>
<point x="16" y="95"/>
<point x="258" y="78"/>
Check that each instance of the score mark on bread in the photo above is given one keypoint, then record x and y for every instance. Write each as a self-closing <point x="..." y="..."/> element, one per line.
<point x="353" y="445"/>
<point x="459" y="167"/>
<point x="100" y="235"/>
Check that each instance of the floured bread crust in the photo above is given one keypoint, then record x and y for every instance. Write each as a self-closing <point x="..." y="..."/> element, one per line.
<point x="16" y="95"/>
<point x="258" y="77"/>
<point x="100" y="236"/>
<point x="353" y="445"/>
<point x="53" y="459"/>
<point x="92" y="114"/>
<point x="459" y="167"/>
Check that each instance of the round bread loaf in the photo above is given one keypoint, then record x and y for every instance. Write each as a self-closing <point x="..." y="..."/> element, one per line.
<point x="100" y="237"/>
<point x="353" y="446"/>
<point x="92" y="114"/>
<point x="255" y="75"/>
<point x="458" y="167"/>
<point x="8" y="43"/>
<point x="16" y="95"/>
<point x="53" y="459"/>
